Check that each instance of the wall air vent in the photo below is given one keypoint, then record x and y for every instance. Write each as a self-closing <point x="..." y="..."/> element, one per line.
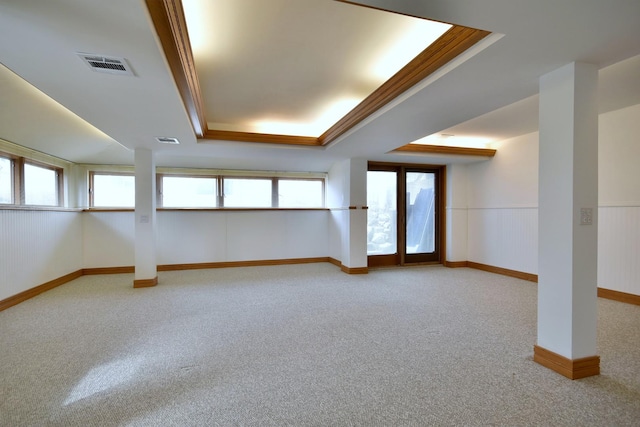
<point x="167" y="140"/>
<point x="104" y="64"/>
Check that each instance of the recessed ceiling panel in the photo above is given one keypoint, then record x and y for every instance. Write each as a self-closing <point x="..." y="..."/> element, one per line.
<point x="295" y="67"/>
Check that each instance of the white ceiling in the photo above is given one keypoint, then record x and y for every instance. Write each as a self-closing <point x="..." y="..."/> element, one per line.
<point x="39" y="40"/>
<point x="288" y="74"/>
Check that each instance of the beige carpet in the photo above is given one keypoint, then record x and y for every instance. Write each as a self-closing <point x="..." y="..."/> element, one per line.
<point x="304" y="345"/>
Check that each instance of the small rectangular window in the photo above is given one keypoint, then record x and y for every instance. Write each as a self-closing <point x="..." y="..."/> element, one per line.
<point x="41" y="185"/>
<point x="247" y="192"/>
<point x="6" y="180"/>
<point x="112" y="190"/>
<point x="188" y="192"/>
<point x="297" y="193"/>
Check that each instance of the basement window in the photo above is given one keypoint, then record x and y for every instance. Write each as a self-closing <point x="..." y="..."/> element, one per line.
<point x="41" y="185"/>
<point x="6" y="180"/>
<point x="300" y="193"/>
<point x="112" y="190"/>
<point x="187" y="191"/>
<point x="25" y="182"/>
<point x="247" y="192"/>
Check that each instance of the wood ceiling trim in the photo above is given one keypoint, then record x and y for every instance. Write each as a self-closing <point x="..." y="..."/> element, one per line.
<point x="225" y="135"/>
<point x="451" y="44"/>
<point x="442" y="149"/>
<point x="170" y="24"/>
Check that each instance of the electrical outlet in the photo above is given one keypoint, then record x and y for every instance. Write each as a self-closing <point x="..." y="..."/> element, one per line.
<point x="586" y="216"/>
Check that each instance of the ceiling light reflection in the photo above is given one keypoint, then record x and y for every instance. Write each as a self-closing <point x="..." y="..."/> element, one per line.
<point x="196" y="13"/>
<point x="413" y="39"/>
<point x="448" y="140"/>
<point x="327" y="118"/>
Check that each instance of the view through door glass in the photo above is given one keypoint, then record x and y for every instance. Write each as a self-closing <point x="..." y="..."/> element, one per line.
<point x="382" y="215"/>
<point x="403" y="219"/>
<point x="420" y="212"/>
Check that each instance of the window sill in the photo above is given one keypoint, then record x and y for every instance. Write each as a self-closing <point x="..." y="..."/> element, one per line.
<point x="38" y="208"/>
<point x="204" y="209"/>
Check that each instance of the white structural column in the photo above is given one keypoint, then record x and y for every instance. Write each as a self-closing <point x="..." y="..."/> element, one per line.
<point x="456" y="215"/>
<point x="145" y="217"/>
<point x="568" y="202"/>
<point x="354" y="237"/>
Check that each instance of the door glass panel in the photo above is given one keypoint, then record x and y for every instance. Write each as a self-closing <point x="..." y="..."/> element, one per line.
<point x="421" y="228"/>
<point x="382" y="215"/>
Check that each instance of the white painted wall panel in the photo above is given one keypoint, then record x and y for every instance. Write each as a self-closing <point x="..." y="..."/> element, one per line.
<point x="186" y="237"/>
<point x="306" y="234"/>
<point x="37" y="247"/>
<point x="619" y="248"/>
<point x="255" y="237"/>
<point x="504" y="237"/>
<point x="109" y="239"/>
<point x="336" y="219"/>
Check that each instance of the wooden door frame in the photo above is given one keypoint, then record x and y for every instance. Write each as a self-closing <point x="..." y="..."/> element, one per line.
<point x="399" y="258"/>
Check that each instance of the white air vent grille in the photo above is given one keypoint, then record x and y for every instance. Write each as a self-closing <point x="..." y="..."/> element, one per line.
<point x="104" y="64"/>
<point x="167" y="140"/>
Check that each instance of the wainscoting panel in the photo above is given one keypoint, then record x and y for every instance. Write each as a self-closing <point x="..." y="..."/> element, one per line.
<point x="37" y="247"/>
<point x="187" y="237"/>
<point x="619" y="248"/>
<point x="109" y="239"/>
<point x="504" y="237"/>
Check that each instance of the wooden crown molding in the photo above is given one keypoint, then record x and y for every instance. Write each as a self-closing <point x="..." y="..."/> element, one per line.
<point x="226" y="135"/>
<point x="443" y="149"/>
<point x="170" y="24"/>
<point x="451" y="44"/>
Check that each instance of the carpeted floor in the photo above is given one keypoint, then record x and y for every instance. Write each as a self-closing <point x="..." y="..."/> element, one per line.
<point x="304" y="345"/>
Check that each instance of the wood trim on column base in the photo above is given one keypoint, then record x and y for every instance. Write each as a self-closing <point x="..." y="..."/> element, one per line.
<point x="571" y="368"/>
<point x="354" y="270"/>
<point x="145" y="283"/>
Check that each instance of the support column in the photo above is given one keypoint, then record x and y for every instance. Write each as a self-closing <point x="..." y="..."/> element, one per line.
<point x="354" y="240"/>
<point x="568" y="206"/>
<point x="456" y="216"/>
<point x="145" y="216"/>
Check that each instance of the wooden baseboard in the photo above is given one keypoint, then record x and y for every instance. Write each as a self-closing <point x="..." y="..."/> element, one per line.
<point x="228" y="264"/>
<point x="354" y="270"/>
<point x="108" y="270"/>
<point x="455" y="264"/>
<point x="504" y="271"/>
<point x="334" y="262"/>
<point x="30" y="293"/>
<point x="145" y="283"/>
<point x="348" y="270"/>
<point x="571" y="368"/>
<point x="619" y="296"/>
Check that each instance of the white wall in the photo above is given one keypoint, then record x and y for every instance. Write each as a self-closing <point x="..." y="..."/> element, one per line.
<point x="37" y="247"/>
<point x="108" y="239"/>
<point x="186" y="237"/>
<point x="503" y="206"/>
<point x="503" y="202"/>
<point x="619" y="200"/>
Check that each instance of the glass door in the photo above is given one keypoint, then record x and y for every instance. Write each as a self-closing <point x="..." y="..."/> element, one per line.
<point x="420" y="213"/>
<point x="382" y="217"/>
<point x="403" y="220"/>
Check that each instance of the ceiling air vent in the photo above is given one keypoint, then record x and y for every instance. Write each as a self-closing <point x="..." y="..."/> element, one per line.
<point x="167" y="140"/>
<point x="104" y="64"/>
